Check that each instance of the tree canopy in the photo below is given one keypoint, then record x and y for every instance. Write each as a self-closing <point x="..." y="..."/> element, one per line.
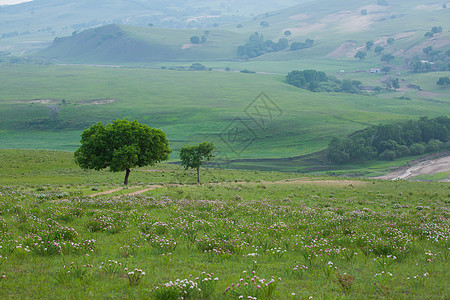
<point x="121" y="146"/>
<point x="391" y="141"/>
<point x="443" y="81"/>
<point x="194" y="156"/>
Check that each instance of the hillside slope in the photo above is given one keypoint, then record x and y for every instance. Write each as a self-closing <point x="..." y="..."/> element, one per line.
<point x="32" y="24"/>
<point x="338" y="29"/>
<point x="122" y="43"/>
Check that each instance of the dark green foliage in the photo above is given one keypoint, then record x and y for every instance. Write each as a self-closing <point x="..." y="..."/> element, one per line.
<point x="378" y="50"/>
<point x="317" y="81"/>
<point x="443" y="81"/>
<point x="436" y="29"/>
<point x="257" y="46"/>
<point x="387" y="58"/>
<point x="194" y="156"/>
<point x="121" y="146"/>
<point x="264" y="24"/>
<point x="433" y="31"/>
<point x="391" y="141"/>
<point x="386" y="69"/>
<point x="308" y="43"/>
<point x="417" y="149"/>
<point x="363" y="12"/>
<point x="195" y="39"/>
<point x="360" y="54"/>
<point x="369" y="45"/>
<point x="287" y="33"/>
<point x="198" y="67"/>
<point x="391" y="83"/>
<point x="390" y="41"/>
<point x="303" y="79"/>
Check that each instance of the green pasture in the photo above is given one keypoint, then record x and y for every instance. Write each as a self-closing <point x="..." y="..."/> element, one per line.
<point x="315" y="237"/>
<point x="189" y="107"/>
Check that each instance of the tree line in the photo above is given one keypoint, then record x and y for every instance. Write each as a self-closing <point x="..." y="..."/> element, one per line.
<point x="318" y="81"/>
<point x="257" y="46"/>
<point x="391" y="141"/>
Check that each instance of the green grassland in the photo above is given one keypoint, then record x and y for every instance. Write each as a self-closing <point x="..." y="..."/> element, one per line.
<point x="45" y="167"/>
<point x="315" y="237"/>
<point x="189" y="106"/>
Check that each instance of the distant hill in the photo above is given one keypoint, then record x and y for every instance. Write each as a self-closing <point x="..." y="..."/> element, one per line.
<point x="339" y="30"/>
<point x="28" y="25"/>
<point x="123" y="43"/>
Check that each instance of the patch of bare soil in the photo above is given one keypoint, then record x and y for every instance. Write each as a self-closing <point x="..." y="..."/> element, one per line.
<point x="302" y="29"/>
<point x="430" y="6"/>
<point x="431" y="94"/>
<point x="144" y="190"/>
<point x="106" y="192"/>
<point x="343" y="50"/>
<point x="40" y="101"/>
<point x="319" y="182"/>
<point x="424" y="166"/>
<point x="299" y="17"/>
<point x="187" y="46"/>
<point x="96" y="101"/>
<point x="437" y="42"/>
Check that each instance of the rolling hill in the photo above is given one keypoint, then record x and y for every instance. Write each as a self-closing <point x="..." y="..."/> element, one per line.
<point x="33" y="25"/>
<point x="338" y="29"/>
<point x="121" y="43"/>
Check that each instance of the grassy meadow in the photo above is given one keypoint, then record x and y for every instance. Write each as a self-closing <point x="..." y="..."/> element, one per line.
<point x="260" y="234"/>
<point x="47" y="107"/>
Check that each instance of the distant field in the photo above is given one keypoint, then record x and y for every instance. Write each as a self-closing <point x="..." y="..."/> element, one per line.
<point x="47" y="107"/>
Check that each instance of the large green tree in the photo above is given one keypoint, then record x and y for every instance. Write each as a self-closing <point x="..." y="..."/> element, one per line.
<point x="121" y="146"/>
<point x="194" y="156"/>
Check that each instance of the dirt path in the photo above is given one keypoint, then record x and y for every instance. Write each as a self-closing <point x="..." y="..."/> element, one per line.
<point x="106" y="192"/>
<point x="424" y="167"/>
<point x="284" y="181"/>
<point x="323" y="182"/>
<point x="154" y="187"/>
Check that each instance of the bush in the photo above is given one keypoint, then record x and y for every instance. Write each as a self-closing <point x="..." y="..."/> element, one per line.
<point x="389" y="155"/>
<point x="434" y="145"/>
<point x="198" y="67"/>
<point x="417" y="149"/>
<point x="195" y="39"/>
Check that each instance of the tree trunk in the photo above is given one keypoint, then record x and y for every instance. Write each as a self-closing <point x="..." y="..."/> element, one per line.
<point x="125" y="182"/>
<point x="198" y="175"/>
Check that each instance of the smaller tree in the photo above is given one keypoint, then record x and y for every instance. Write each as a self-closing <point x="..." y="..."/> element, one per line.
<point x="386" y="69"/>
<point x="377" y="89"/>
<point x="360" y="54"/>
<point x="436" y="29"/>
<point x="369" y="45"/>
<point x="363" y="12"/>
<point x="443" y="81"/>
<point x="195" y="39"/>
<point x="194" y="156"/>
<point x="287" y="33"/>
<point x="264" y="24"/>
<point x="378" y="50"/>
<point x="390" y="41"/>
<point x="387" y="57"/>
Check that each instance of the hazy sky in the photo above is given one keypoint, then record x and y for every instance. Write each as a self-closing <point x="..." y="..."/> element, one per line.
<point x="4" y="2"/>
